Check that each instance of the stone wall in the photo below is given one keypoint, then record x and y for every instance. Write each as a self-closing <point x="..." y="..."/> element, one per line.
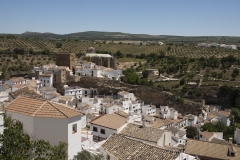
<point x="66" y="59"/>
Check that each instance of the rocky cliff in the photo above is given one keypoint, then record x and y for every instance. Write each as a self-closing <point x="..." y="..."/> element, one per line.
<point x="148" y="94"/>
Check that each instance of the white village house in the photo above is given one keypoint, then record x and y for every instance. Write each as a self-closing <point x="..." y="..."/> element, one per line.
<point x="49" y="121"/>
<point x="104" y="126"/>
<point x="1" y="122"/>
<point x="46" y="79"/>
<point x="208" y="136"/>
<point x="237" y="136"/>
<point x="147" y="134"/>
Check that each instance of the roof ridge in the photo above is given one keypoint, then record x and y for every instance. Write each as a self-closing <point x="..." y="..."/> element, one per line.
<point x="58" y="109"/>
<point x="39" y="108"/>
<point x="98" y="117"/>
<point x="13" y="100"/>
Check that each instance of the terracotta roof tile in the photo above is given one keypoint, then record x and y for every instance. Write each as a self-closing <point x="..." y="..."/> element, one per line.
<point x="91" y="116"/>
<point x="26" y="92"/>
<point x="112" y="121"/>
<point x="220" y="141"/>
<point x="224" y="113"/>
<point x="18" y="86"/>
<point x="47" y="88"/>
<point x="17" y="79"/>
<point x="206" y="134"/>
<point x="208" y="150"/>
<point x="161" y="122"/>
<point x="40" y="108"/>
<point x="122" y="113"/>
<point x="123" y="148"/>
<point x="143" y="133"/>
<point x="46" y="75"/>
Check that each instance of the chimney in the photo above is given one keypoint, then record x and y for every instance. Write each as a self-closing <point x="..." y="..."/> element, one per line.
<point x="230" y="140"/>
<point x="143" y="124"/>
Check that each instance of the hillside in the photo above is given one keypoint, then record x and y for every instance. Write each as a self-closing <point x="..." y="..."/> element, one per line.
<point x="95" y="35"/>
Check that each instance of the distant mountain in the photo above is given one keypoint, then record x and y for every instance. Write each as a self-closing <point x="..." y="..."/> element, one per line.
<point x="46" y="35"/>
<point x="96" y="35"/>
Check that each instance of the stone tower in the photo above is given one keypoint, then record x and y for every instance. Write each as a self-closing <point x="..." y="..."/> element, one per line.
<point x="66" y="59"/>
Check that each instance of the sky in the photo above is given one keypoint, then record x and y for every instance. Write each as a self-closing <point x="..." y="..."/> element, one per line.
<point x="154" y="17"/>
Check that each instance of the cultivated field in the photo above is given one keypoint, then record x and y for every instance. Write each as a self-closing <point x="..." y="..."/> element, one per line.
<point x="126" y="48"/>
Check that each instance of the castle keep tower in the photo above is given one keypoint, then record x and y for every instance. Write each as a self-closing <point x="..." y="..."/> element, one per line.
<point x="66" y="59"/>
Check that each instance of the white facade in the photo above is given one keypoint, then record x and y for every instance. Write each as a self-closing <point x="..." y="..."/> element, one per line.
<point x="110" y="108"/>
<point x="192" y="120"/>
<point x="1" y="122"/>
<point x="101" y="133"/>
<point x="3" y="96"/>
<point x="184" y="156"/>
<point x="112" y="73"/>
<point x="135" y="107"/>
<point x="237" y="136"/>
<point x="167" y="112"/>
<point x="224" y="119"/>
<point x="203" y="137"/>
<point x="53" y="130"/>
<point x="46" y="80"/>
<point x="13" y="81"/>
<point x="74" y="91"/>
<point x="149" y="110"/>
<point x="126" y="95"/>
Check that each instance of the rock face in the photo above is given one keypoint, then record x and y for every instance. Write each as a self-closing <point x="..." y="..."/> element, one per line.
<point x="148" y="94"/>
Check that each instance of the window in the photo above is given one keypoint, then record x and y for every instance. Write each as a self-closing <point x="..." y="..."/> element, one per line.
<point x="108" y="157"/>
<point x="44" y="81"/>
<point x="47" y="81"/>
<point x="102" y="131"/>
<point x="85" y="92"/>
<point x="95" y="129"/>
<point x="74" y="128"/>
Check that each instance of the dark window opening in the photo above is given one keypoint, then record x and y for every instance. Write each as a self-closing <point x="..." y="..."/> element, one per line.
<point x="95" y="129"/>
<point x="102" y="131"/>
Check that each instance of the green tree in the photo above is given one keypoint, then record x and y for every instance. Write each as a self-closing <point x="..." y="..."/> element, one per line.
<point x="85" y="155"/>
<point x="58" y="45"/>
<point x="236" y="71"/>
<point x="237" y="102"/>
<point x="145" y="73"/>
<point x="191" y="132"/>
<point x="19" y="51"/>
<point x="184" y="90"/>
<point x="220" y="75"/>
<point x="142" y="56"/>
<point x="119" y="54"/>
<point x="78" y="55"/>
<point x="220" y="126"/>
<point x="16" y="144"/>
<point x="182" y="81"/>
<point x="235" y="114"/>
<point x="234" y="75"/>
<point x="130" y="76"/>
<point x="162" y="54"/>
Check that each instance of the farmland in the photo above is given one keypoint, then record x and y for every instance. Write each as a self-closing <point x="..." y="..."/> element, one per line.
<point x="76" y="46"/>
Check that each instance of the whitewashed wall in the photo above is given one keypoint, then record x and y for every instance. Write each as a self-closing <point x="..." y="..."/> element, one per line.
<point x="74" y="139"/>
<point x="27" y="121"/>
